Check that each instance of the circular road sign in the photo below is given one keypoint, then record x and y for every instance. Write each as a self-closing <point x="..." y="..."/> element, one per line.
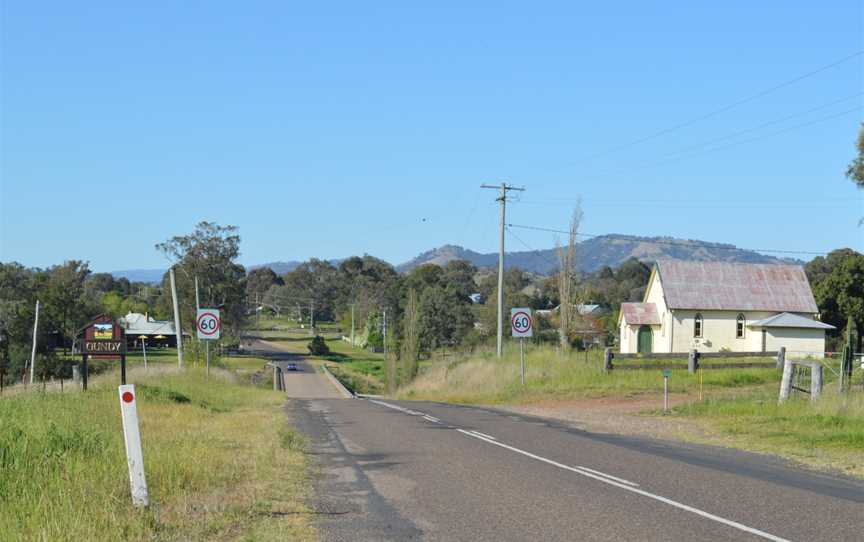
<point x="521" y="323"/>
<point x="208" y="323"/>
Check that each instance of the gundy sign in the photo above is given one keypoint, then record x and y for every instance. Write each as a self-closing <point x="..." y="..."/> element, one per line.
<point x="104" y="338"/>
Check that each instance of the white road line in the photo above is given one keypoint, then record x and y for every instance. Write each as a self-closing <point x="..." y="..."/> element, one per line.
<point x="483" y="435"/>
<point x="431" y="419"/>
<point x="606" y="480"/>
<point x="598" y="473"/>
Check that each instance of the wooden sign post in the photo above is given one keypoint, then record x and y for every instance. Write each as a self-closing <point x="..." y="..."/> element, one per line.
<point x="105" y="339"/>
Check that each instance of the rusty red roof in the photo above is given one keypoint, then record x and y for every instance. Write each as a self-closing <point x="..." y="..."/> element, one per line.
<point x="640" y="313"/>
<point x="735" y="286"/>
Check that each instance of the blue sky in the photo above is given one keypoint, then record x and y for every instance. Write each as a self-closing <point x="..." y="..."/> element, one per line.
<point x="342" y="128"/>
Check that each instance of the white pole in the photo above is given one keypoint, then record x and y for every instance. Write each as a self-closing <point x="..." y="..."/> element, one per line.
<point x="144" y="348"/>
<point x="132" y="437"/>
<point x="207" y="347"/>
<point x="33" y="350"/>
<point x="177" y="329"/>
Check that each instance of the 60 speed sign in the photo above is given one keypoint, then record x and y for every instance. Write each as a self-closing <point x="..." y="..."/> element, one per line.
<point x="521" y="323"/>
<point x="209" y="324"/>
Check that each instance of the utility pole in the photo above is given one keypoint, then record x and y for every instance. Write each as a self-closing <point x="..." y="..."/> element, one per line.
<point x="177" y="329"/>
<point x="502" y="199"/>
<point x="385" y="335"/>
<point x="312" y="317"/>
<point x="352" y="325"/>
<point x="33" y="351"/>
<point x="197" y="299"/>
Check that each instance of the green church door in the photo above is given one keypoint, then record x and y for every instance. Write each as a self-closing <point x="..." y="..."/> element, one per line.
<point x="644" y="340"/>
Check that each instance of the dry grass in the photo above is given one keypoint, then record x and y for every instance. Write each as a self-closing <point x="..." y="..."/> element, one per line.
<point x="215" y="459"/>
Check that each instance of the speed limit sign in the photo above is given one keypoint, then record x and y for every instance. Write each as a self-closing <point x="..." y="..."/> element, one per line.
<point x="209" y="324"/>
<point x="521" y="323"/>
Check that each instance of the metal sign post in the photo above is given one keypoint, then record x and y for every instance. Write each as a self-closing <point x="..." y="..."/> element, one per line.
<point x="521" y="326"/>
<point x="522" y="358"/>
<point x="132" y="437"/>
<point x="666" y="374"/>
<point x="209" y="328"/>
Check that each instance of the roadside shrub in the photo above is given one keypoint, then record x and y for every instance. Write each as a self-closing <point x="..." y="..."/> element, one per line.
<point x="318" y="347"/>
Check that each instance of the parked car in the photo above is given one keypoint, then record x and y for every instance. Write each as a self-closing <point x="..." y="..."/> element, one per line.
<point x="292" y="366"/>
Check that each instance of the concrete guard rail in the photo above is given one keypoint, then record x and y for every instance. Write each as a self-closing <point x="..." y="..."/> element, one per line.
<point x="335" y="381"/>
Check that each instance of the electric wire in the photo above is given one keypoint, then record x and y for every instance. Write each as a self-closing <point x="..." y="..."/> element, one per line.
<point x="723" y="109"/>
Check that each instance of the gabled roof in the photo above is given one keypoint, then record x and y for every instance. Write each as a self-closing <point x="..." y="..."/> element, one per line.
<point x="790" y="320"/>
<point x="640" y="313"/>
<point x="735" y="286"/>
<point x="139" y="324"/>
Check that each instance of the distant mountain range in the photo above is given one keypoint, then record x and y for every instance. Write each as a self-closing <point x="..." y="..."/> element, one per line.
<point x="597" y="252"/>
<point x="593" y="254"/>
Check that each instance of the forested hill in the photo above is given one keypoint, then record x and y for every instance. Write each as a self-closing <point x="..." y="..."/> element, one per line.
<point x="597" y="252"/>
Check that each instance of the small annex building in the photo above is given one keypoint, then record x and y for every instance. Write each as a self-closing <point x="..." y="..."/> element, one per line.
<point x="723" y="306"/>
<point x="143" y="328"/>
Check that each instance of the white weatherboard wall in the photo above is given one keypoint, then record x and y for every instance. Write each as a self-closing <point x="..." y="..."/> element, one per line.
<point x="798" y="342"/>
<point x="660" y="334"/>
<point x="718" y="331"/>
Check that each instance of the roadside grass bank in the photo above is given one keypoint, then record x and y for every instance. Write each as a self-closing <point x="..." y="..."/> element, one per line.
<point x="484" y="379"/>
<point x="828" y="433"/>
<point x="220" y="460"/>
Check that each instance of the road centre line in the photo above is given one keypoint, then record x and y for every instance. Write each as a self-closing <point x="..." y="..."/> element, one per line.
<point x="483" y="434"/>
<point x="606" y="479"/>
<point x="601" y="477"/>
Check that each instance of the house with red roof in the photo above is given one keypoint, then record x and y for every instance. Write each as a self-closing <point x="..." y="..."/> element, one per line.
<point x="723" y="306"/>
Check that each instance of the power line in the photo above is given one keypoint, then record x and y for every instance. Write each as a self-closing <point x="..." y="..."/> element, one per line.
<point x="722" y="109"/>
<point x="536" y="253"/>
<point x="678" y="156"/>
<point x="668" y="242"/>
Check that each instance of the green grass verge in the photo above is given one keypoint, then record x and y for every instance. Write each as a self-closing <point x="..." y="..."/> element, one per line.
<point x="549" y="375"/>
<point x="220" y="462"/>
<point x="828" y="432"/>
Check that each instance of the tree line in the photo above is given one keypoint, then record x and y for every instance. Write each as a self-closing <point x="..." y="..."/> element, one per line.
<point x="427" y="309"/>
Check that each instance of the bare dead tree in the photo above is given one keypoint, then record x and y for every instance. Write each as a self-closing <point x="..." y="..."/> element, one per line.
<point x="567" y="258"/>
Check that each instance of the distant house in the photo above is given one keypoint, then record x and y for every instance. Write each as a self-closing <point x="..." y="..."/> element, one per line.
<point x="713" y="306"/>
<point x="141" y="327"/>
<point x="476" y="299"/>
<point x="591" y="310"/>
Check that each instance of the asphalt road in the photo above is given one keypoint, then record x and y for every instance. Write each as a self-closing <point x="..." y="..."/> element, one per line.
<point x="397" y="470"/>
<point x="408" y="471"/>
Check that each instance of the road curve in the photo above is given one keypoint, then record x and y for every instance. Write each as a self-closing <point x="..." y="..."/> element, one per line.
<point x="395" y="470"/>
<point x="306" y="382"/>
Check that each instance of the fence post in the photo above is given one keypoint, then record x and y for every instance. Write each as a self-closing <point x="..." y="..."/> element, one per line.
<point x="815" y="381"/>
<point x="781" y="358"/>
<point x="75" y="374"/>
<point x="786" y="381"/>
<point x="275" y="378"/>
<point x="692" y="363"/>
<point x="607" y="360"/>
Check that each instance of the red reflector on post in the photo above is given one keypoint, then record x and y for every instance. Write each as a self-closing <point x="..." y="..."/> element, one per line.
<point x="128" y="397"/>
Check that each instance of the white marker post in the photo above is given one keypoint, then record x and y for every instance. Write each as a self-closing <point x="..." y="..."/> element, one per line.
<point x="132" y="436"/>
<point x="521" y="325"/>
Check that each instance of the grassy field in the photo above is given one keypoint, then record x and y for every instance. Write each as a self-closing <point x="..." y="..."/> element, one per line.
<point x="220" y="459"/>
<point x="485" y="379"/>
<point x="825" y="433"/>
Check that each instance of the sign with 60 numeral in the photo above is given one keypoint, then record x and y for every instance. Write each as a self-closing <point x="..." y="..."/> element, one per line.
<point x="209" y="324"/>
<point x="521" y="323"/>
